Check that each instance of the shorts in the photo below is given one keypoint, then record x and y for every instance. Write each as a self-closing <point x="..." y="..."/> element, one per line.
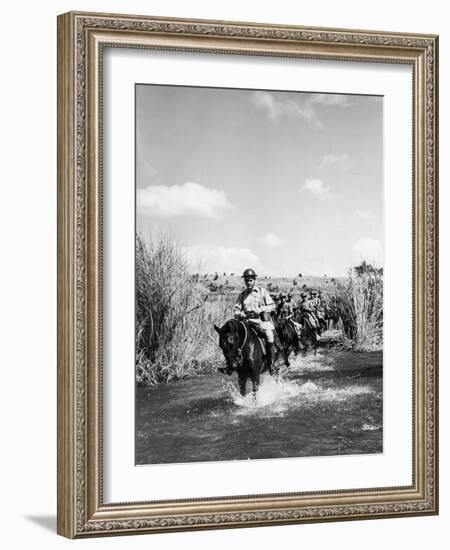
<point x="268" y="329"/>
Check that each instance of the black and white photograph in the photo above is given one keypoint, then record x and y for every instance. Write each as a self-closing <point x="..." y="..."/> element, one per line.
<point x="258" y="274"/>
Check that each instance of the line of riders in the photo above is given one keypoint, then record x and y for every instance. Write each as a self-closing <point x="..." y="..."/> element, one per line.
<point x="270" y="318"/>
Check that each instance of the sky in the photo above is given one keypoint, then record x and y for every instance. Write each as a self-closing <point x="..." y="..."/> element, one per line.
<point x="283" y="182"/>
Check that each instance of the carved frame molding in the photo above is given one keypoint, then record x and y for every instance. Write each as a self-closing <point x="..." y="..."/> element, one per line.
<point x="81" y="37"/>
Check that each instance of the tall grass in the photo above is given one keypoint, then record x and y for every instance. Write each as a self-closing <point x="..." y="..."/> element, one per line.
<point x="360" y="305"/>
<point x="174" y="317"/>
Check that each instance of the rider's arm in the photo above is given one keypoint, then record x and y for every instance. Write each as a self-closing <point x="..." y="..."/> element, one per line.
<point x="269" y="304"/>
<point x="237" y="310"/>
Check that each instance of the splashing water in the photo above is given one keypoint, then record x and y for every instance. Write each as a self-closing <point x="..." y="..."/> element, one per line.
<point x="270" y="391"/>
<point x="278" y="396"/>
<point x="312" y="363"/>
<point x="326" y="404"/>
<point x="369" y="427"/>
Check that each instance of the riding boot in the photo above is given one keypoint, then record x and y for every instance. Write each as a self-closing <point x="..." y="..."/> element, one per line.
<point x="270" y="347"/>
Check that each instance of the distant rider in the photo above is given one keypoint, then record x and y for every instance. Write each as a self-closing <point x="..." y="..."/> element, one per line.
<point x="307" y="313"/>
<point x="317" y="303"/>
<point x="285" y="311"/>
<point x="323" y="308"/>
<point x="255" y="305"/>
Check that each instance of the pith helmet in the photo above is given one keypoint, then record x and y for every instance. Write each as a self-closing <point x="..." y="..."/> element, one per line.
<point x="249" y="273"/>
<point x="303" y="294"/>
<point x="313" y="292"/>
<point x="282" y="295"/>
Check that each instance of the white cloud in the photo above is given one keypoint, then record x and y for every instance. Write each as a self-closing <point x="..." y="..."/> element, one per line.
<point x="210" y="258"/>
<point x="370" y="250"/>
<point x="177" y="200"/>
<point x="342" y="160"/>
<point x="287" y="106"/>
<point x="270" y="239"/>
<point x="316" y="187"/>
<point x="265" y="100"/>
<point x="329" y="100"/>
<point x="303" y="106"/>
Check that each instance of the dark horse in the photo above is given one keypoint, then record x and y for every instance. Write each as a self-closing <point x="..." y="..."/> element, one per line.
<point x="243" y="352"/>
<point x="290" y="341"/>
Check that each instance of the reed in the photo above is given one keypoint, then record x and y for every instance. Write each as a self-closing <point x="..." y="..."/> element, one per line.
<point x="175" y="337"/>
<point x="360" y="306"/>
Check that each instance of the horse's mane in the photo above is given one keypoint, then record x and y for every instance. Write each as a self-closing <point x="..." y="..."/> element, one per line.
<point x="233" y="324"/>
<point x="241" y="329"/>
<point x="285" y="327"/>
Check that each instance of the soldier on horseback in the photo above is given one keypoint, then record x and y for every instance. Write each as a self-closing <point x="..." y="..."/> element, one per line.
<point x="285" y="312"/>
<point x="318" y="303"/>
<point x="255" y="304"/>
<point x="307" y="313"/>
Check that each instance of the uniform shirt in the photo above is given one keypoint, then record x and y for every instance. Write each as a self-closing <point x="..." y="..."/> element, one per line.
<point x="256" y="300"/>
<point x="285" y="310"/>
<point x="307" y="308"/>
<point x="305" y="305"/>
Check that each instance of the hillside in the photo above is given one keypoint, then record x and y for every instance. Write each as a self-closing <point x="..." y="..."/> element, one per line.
<point x="233" y="284"/>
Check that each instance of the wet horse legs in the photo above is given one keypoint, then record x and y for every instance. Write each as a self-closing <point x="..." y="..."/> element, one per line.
<point x="242" y="384"/>
<point x="255" y="383"/>
<point x="286" y="357"/>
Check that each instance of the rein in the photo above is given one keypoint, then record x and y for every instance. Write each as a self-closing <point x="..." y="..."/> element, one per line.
<point x="241" y="349"/>
<point x="238" y="323"/>
<point x="235" y="325"/>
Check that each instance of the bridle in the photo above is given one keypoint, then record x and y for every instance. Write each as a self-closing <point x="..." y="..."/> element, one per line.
<point x="240" y="348"/>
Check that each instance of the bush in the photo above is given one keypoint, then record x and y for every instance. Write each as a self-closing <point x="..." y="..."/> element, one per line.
<point x="174" y="319"/>
<point x="360" y="306"/>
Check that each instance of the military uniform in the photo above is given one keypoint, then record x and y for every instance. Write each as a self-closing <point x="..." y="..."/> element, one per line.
<point x="323" y="301"/>
<point x="307" y="311"/>
<point x="316" y="304"/>
<point x="314" y="301"/>
<point x="321" y="306"/>
<point x="251" y="304"/>
<point x="286" y="311"/>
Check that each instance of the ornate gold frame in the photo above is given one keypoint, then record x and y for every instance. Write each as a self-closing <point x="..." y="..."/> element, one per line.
<point x="81" y="37"/>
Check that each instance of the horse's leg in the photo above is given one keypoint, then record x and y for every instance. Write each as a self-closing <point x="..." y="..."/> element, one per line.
<point x="255" y="383"/>
<point x="315" y="346"/>
<point x="270" y="357"/>
<point x="242" y="384"/>
<point x="305" y="348"/>
<point x="298" y="346"/>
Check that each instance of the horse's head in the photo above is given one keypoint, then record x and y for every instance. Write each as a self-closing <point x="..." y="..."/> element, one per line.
<point x="229" y="344"/>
